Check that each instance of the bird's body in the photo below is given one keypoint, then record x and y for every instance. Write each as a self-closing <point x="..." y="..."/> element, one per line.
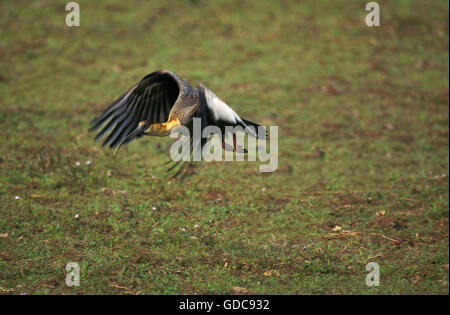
<point x="160" y="102"/>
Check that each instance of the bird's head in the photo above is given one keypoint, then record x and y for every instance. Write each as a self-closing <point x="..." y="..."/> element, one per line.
<point x="140" y="131"/>
<point x="143" y="126"/>
<point x="146" y="128"/>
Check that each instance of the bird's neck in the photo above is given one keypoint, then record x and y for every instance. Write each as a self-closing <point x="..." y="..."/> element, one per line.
<point x="162" y="130"/>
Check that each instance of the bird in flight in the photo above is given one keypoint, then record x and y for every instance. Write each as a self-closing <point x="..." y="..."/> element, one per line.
<point x="160" y="102"/>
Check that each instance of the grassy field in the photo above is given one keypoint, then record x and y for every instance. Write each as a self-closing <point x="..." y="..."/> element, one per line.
<point x="363" y="116"/>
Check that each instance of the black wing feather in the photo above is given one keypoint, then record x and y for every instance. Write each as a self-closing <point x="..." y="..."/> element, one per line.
<point x="157" y="100"/>
<point x="126" y="117"/>
<point x="145" y="99"/>
<point x="165" y="101"/>
<point x="152" y="101"/>
<point x="110" y="110"/>
<point x="118" y="117"/>
<point x="126" y="129"/>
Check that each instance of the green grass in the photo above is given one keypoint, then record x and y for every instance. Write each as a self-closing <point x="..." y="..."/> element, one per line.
<point x="363" y="116"/>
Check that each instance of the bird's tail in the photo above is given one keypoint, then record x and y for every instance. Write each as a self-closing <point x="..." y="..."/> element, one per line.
<point x="261" y="132"/>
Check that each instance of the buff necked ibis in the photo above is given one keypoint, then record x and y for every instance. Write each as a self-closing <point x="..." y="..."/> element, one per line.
<point x="160" y="102"/>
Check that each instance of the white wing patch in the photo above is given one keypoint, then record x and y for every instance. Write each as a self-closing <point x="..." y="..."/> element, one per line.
<point x="220" y="109"/>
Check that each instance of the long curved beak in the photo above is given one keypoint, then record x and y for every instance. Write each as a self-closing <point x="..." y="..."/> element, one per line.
<point x="136" y="133"/>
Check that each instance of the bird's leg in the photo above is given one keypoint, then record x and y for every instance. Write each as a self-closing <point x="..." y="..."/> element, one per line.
<point x="226" y="146"/>
<point x="163" y="129"/>
<point x="235" y="147"/>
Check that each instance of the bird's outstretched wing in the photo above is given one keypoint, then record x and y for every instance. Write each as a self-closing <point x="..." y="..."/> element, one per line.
<point x="220" y="114"/>
<point x="150" y="99"/>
